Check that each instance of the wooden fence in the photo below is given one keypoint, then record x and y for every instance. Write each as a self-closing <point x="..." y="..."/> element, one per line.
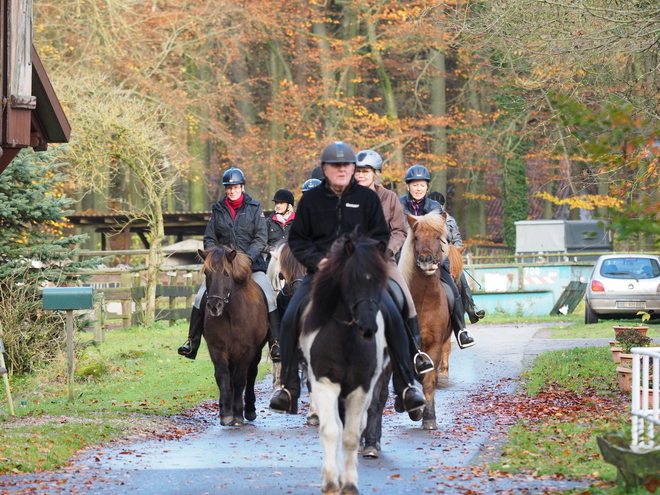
<point x="119" y="295"/>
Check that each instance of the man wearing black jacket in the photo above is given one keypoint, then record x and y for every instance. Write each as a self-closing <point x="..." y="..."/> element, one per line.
<point x="324" y="213"/>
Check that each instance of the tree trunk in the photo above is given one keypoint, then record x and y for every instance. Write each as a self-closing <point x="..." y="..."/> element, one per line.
<point x="439" y="110"/>
<point x="327" y="75"/>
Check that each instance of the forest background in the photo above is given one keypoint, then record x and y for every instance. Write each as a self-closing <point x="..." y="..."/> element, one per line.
<point x="522" y="109"/>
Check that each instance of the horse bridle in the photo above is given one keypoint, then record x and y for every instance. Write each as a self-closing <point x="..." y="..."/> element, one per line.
<point x="353" y="307"/>
<point x="224" y="299"/>
<point x="291" y="284"/>
<point x="434" y="257"/>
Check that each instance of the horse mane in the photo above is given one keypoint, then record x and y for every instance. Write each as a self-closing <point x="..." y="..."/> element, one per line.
<point x="215" y="259"/>
<point x="290" y="267"/>
<point x="433" y="223"/>
<point x="343" y="270"/>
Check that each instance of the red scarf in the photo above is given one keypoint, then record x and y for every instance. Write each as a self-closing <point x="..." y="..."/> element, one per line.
<point x="234" y="205"/>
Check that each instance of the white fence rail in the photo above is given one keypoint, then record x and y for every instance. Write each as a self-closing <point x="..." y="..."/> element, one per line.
<point x="645" y="397"/>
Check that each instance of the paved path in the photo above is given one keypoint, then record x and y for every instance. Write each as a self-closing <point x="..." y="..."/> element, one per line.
<point x="281" y="454"/>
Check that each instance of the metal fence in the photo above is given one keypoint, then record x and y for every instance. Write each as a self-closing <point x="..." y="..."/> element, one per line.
<point x="645" y="397"/>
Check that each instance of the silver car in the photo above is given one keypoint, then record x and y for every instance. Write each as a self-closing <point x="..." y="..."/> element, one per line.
<point x="621" y="285"/>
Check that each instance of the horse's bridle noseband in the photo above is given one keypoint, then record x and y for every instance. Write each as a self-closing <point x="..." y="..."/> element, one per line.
<point x="435" y="260"/>
<point x="353" y="307"/>
<point x="224" y="299"/>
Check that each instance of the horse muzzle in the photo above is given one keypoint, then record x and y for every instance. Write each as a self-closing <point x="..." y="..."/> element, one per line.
<point x="427" y="263"/>
<point x="215" y="305"/>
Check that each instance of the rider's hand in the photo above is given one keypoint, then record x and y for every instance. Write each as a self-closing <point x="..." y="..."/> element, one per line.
<point x="322" y="263"/>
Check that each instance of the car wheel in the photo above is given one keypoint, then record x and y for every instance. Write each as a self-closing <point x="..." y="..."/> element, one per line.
<point x="589" y="315"/>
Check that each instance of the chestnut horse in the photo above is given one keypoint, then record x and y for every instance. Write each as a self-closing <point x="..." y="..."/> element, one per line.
<point x="422" y="256"/>
<point x="235" y="329"/>
<point x="343" y="339"/>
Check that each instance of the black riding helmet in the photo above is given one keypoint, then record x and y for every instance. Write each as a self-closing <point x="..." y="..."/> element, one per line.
<point x="233" y="176"/>
<point x="283" y="196"/>
<point x="317" y="173"/>
<point x="418" y="172"/>
<point x="310" y="184"/>
<point x="338" y="152"/>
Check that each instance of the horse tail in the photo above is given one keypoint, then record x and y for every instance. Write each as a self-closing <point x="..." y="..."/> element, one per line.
<point x="456" y="261"/>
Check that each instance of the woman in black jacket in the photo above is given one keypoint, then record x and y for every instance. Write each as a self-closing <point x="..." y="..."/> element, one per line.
<point x="237" y="220"/>
<point x="279" y="223"/>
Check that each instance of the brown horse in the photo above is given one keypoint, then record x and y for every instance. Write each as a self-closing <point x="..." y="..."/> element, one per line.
<point x="422" y="256"/>
<point x="235" y="329"/>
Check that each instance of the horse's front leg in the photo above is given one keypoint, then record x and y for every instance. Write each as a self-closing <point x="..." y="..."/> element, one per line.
<point x="223" y="380"/>
<point x="326" y="398"/>
<point x="429" y="419"/>
<point x="373" y="431"/>
<point x="239" y="380"/>
<point x="250" y="398"/>
<point x="356" y="405"/>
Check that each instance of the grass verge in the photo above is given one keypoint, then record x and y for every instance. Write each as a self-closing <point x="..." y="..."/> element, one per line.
<point x="570" y="397"/>
<point x="141" y="384"/>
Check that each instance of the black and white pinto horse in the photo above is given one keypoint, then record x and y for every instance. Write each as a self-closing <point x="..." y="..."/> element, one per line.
<point x="343" y="340"/>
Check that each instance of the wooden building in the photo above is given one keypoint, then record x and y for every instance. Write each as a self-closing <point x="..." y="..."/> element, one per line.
<point x="31" y="113"/>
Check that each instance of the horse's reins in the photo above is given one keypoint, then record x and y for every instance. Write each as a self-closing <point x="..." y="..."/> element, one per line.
<point x="290" y="284"/>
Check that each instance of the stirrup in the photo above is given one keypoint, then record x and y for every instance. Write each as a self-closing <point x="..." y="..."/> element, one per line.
<point x="403" y="399"/>
<point x="274" y="350"/>
<point x="425" y="356"/>
<point x="458" y="339"/>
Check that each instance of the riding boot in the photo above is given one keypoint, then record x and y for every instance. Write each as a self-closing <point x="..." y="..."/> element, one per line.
<point x="408" y="397"/>
<point x="463" y="337"/>
<point x="273" y="333"/>
<point x="285" y="399"/>
<point x="190" y="348"/>
<point x="422" y="362"/>
<point x="468" y="302"/>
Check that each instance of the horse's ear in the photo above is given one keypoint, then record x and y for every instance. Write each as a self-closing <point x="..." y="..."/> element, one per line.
<point x="349" y="247"/>
<point x="202" y="254"/>
<point x="382" y="247"/>
<point x="231" y="255"/>
<point x="412" y="220"/>
<point x="461" y="249"/>
<point x="444" y="214"/>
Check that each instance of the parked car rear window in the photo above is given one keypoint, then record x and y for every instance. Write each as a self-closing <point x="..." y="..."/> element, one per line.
<point x="637" y="268"/>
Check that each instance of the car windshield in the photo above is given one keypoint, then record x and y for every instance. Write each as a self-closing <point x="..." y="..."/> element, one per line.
<point x="637" y="268"/>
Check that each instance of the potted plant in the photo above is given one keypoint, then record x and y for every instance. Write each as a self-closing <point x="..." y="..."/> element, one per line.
<point x="628" y="339"/>
<point x="642" y="329"/>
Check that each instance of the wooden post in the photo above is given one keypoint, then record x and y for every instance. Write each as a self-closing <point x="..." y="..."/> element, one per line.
<point x="174" y="280"/>
<point x="99" y="320"/>
<point x="69" y="350"/>
<point x="125" y="279"/>
<point x="5" y="378"/>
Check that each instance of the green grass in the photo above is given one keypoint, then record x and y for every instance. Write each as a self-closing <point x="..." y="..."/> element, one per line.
<point x="565" y="442"/>
<point x="144" y="381"/>
<point x="578" y="370"/>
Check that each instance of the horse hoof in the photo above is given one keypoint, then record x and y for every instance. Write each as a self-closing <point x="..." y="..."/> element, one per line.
<point x="349" y="489"/>
<point x="239" y="421"/>
<point x="251" y="416"/>
<point x="370" y="452"/>
<point x="313" y="420"/>
<point x="227" y="420"/>
<point x="429" y="424"/>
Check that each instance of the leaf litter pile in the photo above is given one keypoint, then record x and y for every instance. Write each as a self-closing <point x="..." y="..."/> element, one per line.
<point x="546" y="413"/>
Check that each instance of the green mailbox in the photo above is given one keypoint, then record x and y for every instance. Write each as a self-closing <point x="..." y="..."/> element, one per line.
<point x="68" y="298"/>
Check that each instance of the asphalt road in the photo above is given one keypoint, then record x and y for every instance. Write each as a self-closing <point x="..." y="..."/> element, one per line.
<point x="281" y="454"/>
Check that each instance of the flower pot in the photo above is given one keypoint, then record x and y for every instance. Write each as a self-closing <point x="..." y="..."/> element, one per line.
<point x="616" y="354"/>
<point x="618" y="330"/>
<point x="626" y="360"/>
<point x="624" y="376"/>
<point x="614" y="343"/>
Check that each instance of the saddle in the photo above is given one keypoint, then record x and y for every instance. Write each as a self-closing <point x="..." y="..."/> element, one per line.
<point x="398" y="297"/>
<point x="451" y="301"/>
